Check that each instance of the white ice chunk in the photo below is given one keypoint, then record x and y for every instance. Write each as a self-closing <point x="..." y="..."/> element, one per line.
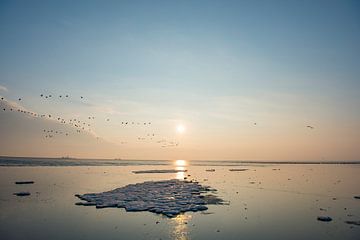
<point x="169" y="197"/>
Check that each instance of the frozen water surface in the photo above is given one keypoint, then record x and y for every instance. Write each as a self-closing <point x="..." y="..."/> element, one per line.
<point x="168" y="197"/>
<point x="264" y="204"/>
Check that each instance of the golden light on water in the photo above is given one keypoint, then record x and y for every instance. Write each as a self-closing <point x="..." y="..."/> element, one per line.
<point x="180" y="165"/>
<point x="181" y="231"/>
<point x="180" y="175"/>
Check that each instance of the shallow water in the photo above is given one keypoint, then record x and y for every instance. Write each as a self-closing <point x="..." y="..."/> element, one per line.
<point x="264" y="203"/>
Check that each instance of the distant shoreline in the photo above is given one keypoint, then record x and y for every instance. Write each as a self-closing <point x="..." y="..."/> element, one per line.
<point x="191" y="162"/>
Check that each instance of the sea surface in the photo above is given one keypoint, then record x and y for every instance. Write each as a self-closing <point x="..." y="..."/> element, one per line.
<point x="267" y="201"/>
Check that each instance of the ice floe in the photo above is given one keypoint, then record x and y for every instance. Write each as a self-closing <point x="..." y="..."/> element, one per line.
<point x="160" y="171"/>
<point x="24" y="182"/>
<point x="168" y="197"/>
<point x="238" y="169"/>
<point x="22" y="194"/>
<point x="324" y="219"/>
<point x="357" y="223"/>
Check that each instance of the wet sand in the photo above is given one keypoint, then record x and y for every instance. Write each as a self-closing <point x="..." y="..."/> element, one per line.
<point x="268" y="201"/>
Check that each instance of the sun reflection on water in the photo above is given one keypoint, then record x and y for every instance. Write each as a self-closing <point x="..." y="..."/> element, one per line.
<point x="180" y="223"/>
<point x="180" y="165"/>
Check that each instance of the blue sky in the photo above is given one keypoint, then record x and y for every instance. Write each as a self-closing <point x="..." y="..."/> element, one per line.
<point x="203" y="63"/>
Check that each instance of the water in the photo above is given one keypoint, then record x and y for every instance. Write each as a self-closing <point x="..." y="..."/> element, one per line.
<point x="264" y="202"/>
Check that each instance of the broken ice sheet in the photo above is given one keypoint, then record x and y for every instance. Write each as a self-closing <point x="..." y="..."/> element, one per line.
<point x="168" y="197"/>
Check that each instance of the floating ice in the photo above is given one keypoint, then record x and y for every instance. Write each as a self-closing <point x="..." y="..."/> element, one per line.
<point x="353" y="222"/>
<point x="168" y="197"/>
<point x="22" y="194"/>
<point x="324" y="219"/>
<point x="160" y="171"/>
<point x="24" y="182"/>
<point x="238" y="169"/>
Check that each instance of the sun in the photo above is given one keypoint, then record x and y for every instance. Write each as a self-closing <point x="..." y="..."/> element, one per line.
<point x="180" y="128"/>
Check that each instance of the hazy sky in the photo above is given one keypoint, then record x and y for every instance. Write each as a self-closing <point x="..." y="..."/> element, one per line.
<point x="215" y="67"/>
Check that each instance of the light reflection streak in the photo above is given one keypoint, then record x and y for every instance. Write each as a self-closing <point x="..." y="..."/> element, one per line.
<point x="180" y="224"/>
<point x="180" y="165"/>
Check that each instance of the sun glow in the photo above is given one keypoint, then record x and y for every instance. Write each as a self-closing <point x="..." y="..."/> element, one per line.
<point x="180" y="128"/>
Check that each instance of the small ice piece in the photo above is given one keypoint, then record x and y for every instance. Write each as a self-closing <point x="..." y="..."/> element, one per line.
<point x="357" y="223"/>
<point x="85" y="203"/>
<point x="201" y="208"/>
<point x="324" y="218"/>
<point x="160" y="171"/>
<point x="171" y="212"/>
<point x="22" y="194"/>
<point x="106" y="205"/>
<point x="24" y="182"/>
<point x="167" y="197"/>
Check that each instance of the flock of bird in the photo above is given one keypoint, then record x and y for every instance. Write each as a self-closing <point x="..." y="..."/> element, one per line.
<point x="52" y="133"/>
<point x="81" y="125"/>
<point x="60" y="96"/>
<point x="85" y="126"/>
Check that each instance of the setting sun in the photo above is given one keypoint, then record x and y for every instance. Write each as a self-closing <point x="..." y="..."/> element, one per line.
<point x="180" y="128"/>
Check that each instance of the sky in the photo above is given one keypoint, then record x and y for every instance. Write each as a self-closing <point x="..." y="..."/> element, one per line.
<point x="243" y="79"/>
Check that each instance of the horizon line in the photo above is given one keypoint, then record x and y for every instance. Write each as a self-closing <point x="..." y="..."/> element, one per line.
<point x="210" y="160"/>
